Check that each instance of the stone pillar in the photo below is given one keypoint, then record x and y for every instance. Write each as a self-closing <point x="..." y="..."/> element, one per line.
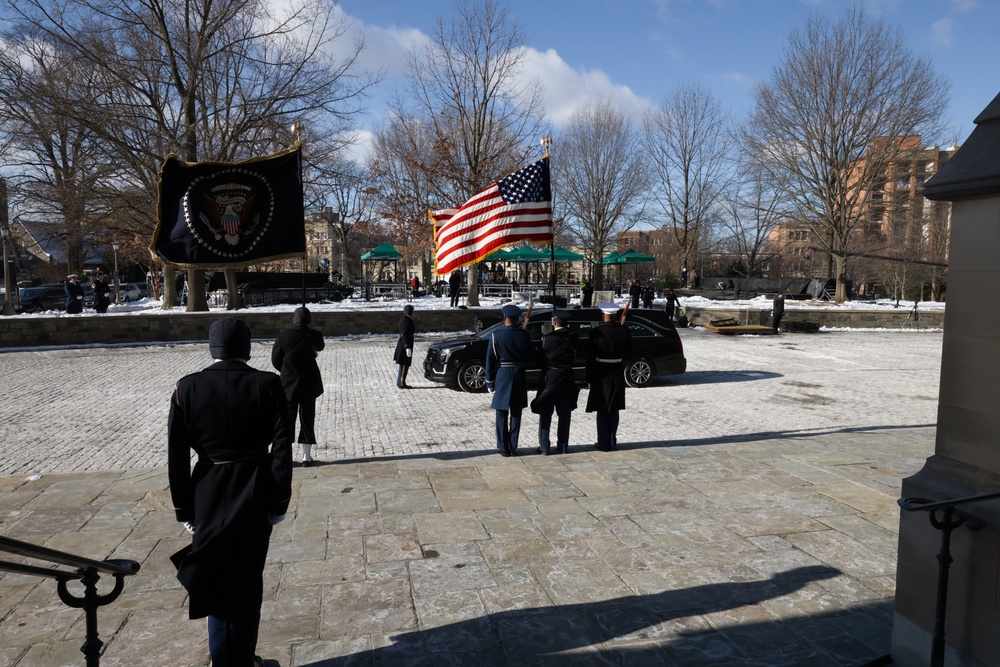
<point x="966" y="461"/>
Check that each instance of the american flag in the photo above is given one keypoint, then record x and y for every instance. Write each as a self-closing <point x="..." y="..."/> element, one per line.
<point x="516" y="208"/>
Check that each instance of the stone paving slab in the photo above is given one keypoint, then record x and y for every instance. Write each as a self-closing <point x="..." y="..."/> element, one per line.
<point x="719" y="538"/>
<point x="445" y="583"/>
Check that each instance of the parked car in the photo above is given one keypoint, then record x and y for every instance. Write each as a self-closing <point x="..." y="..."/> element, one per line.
<point x="129" y="292"/>
<point x="656" y="349"/>
<point x="42" y="297"/>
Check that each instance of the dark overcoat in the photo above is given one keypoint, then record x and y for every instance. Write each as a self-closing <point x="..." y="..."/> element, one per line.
<point x="294" y="356"/>
<point x="102" y="295"/>
<point x="235" y="418"/>
<point x="507" y="357"/>
<point x="609" y="346"/>
<point x="559" y="347"/>
<point x="74" y="297"/>
<point x="406" y="330"/>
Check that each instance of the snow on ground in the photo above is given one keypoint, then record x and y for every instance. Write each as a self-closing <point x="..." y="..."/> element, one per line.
<point x="154" y="306"/>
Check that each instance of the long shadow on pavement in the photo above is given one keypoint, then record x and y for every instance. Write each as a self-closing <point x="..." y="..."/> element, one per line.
<point x="663" y="628"/>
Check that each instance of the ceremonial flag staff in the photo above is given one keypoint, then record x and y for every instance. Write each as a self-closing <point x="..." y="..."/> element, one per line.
<point x="546" y="142"/>
<point x="296" y="129"/>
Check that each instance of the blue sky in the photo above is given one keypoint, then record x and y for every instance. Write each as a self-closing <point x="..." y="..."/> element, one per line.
<point x="637" y="51"/>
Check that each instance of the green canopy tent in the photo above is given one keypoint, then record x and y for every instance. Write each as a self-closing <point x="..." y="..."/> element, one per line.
<point x="384" y="255"/>
<point x="526" y="255"/>
<point x="623" y="259"/>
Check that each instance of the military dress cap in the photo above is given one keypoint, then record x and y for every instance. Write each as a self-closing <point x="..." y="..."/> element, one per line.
<point x="510" y="310"/>
<point x="560" y="314"/>
<point x="609" y="307"/>
<point x="408" y="309"/>
<point x="71" y="276"/>
<point x="229" y="338"/>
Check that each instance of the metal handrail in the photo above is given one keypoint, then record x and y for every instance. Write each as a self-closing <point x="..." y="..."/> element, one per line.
<point x="87" y="571"/>
<point x="952" y="518"/>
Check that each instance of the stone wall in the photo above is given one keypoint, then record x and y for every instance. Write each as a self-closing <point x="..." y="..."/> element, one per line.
<point x="90" y="329"/>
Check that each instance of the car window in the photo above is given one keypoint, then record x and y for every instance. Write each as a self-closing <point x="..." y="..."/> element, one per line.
<point x="535" y="329"/>
<point x="639" y="331"/>
<point x="581" y="328"/>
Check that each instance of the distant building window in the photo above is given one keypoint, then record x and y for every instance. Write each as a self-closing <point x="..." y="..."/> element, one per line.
<point x="902" y="183"/>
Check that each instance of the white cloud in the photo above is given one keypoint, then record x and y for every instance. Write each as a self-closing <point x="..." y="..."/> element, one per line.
<point x="564" y="89"/>
<point x="965" y="6"/>
<point x="360" y="147"/>
<point x="941" y="32"/>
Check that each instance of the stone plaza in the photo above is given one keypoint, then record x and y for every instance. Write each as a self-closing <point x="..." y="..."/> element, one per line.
<point x="748" y="518"/>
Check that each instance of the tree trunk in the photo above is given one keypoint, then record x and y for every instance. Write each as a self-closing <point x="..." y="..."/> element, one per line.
<point x="472" y="299"/>
<point x="170" y="296"/>
<point x="598" y="276"/>
<point x="235" y="298"/>
<point x="841" y="269"/>
<point x="197" y="300"/>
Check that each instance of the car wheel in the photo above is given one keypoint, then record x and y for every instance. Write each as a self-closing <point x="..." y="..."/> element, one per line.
<point x="638" y="372"/>
<point x="127" y="299"/>
<point x="471" y="376"/>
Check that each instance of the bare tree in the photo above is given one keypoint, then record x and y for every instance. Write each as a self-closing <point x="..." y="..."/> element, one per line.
<point x="207" y="80"/>
<point x="351" y="196"/>
<point x="468" y="86"/>
<point x="831" y="119"/>
<point x="753" y="208"/>
<point x="687" y="139"/>
<point x="57" y="163"/>
<point x="601" y="179"/>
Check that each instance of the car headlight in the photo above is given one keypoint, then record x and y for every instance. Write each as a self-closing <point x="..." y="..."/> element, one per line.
<point x="445" y="353"/>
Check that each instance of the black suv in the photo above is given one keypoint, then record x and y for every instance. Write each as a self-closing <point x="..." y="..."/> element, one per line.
<point x="656" y="349"/>
<point x="43" y="297"/>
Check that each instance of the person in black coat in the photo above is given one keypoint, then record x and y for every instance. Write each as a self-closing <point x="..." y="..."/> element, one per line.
<point x="454" y="287"/>
<point x="294" y="356"/>
<point x="403" y="355"/>
<point x="74" y="294"/>
<point x="635" y="292"/>
<point x="507" y="357"/>
<point x="236" y="421"/>
<point x="777" y="310"/>
<point x="586" y="294"/>
<point x="609" y="346"/>
<point x="559" y="392"/>
<point x="671" y="306"/>
<point x="102" y="294"/>
<point x="647" y="296"/>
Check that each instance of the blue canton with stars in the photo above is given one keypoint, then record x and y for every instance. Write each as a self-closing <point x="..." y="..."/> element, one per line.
<point x="530" y="184"/>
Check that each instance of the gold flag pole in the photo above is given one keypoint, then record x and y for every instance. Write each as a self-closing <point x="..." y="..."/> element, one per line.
<point x="545" y="143"/>
<point x="296" y="129"/>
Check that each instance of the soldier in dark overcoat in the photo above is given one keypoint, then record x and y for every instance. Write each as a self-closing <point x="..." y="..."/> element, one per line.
<point x="74" y="294"/>
<point x="507" y="357"/>
<point x="609" y="346"/>
<point x="455" y="287"/>
<point x="102" y="293"/>
<point x="777" y="310"/>
<point x="294" y="356"/>
<point x="235" y="419"/>
<point x="559" y="391"/>
<point x="403" y="354"/>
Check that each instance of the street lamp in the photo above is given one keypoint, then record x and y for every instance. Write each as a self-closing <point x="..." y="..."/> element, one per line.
<point x="8" y="284"/>
<point x="118" y="292"/>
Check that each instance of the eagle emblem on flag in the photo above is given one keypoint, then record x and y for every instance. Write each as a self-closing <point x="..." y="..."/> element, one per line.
<point x="218" y="214"/>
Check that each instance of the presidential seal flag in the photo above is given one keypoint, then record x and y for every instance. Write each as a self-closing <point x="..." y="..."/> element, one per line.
<point x="230" y="214"/>
<point x="518" y="207"/>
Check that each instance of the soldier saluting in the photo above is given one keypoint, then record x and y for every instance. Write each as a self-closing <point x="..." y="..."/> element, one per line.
<point x="609" y="345"/>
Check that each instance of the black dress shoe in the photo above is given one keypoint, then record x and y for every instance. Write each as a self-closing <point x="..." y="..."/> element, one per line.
<point x="504" y="453"/>
<point x="309" y="463"/>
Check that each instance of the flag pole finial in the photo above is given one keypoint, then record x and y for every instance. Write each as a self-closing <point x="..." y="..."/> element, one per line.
<point x="546" y="142"/>
<point x="296" y="129"/>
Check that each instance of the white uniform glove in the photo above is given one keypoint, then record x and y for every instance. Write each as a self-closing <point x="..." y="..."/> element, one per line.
<point x="189" y="527"/>
<point x="409" y="352"/>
